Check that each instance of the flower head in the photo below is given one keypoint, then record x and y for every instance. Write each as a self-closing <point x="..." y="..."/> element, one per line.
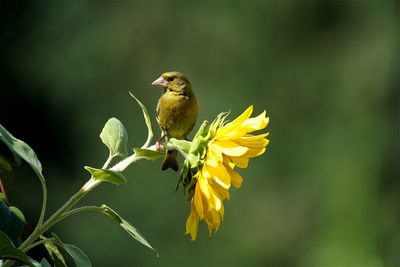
<point x="209" y="169"/>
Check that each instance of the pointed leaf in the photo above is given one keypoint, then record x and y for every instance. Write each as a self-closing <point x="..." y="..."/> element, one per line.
<point x="146" y="119"/>
<point x="9" y="251"/>
<point x="54" y="253"/>
<point x="113" y="177"/>
<point x="21" y="150"/>
<point x="79" y="257"/>
<point x="5" y="241"/>
<point x="115" y="137"/>
<point x="127" y="226"/>
<point x="148" y="154"/>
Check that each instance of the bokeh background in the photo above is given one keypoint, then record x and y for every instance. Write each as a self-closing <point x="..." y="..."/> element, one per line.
<point x="324" y="194"/>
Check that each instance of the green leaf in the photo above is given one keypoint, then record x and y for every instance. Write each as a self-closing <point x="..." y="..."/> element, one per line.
<point x="5" y="216"/>
<point x="146" y="119"/>
<point x="182" y="145"/>
<point x="54" y="253"/>
<point x="113" y="177"/>
<point x="13" y="253"/>
<point x="183" y="174"/>
<point x="79" y="257"/>
<point x="11" y="221"/>
<point x="193" y="160"/>
<point x="6" y="168"/>
<point x="115" y="137"/>
<point x="8" y="250"/>
<point x="17" y="221"/>
<point x="5" y="241"/>
<point x="148" y="154"/>
<point x="45" y="263"/>
<point x="127" y="227"/>
<point x="21" y="150"/>
<point x="198" y="138"/>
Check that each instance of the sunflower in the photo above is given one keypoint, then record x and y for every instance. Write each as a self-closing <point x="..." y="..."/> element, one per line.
<point x="209" y="168"/>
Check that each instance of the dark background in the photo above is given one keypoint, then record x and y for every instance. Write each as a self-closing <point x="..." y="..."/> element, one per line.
<point x="324" y="194"/>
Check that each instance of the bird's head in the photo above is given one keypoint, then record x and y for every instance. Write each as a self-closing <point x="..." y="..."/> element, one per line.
<point x="173" y="81"/>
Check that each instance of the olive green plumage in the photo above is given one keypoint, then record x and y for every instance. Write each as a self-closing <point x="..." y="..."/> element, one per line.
<point x="177" y="111"/>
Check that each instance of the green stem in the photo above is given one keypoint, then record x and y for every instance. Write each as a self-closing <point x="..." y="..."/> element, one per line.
<point x="78" y="210"/>
<point x="37" y="244"/>
<point x="122" y="165"/>
<point x="65" y="210"/>
<point x="44" y="201"/>
<point x="108" y="161"/>
<point x="38" y="229"/>
<point x="55" y="217"/>
<point x="92" y="183"/>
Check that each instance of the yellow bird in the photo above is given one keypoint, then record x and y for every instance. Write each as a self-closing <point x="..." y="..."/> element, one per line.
<point x="177" y="111"/>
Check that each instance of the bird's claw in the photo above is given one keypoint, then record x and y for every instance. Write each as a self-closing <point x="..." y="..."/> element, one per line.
<point x="158" y="145"/>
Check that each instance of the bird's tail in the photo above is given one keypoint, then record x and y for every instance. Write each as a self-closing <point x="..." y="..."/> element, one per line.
<point x="170" y="161"/>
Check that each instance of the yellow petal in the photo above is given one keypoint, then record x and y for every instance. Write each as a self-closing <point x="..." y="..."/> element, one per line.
<point x="254" y="152"/>
<point x="229" y="163"/>
<point x="198" y="201"/>
<point x="236" y="179"/>
<point x="256" y="123"/>
<point x="213" y="220"/>
<point x="204" y="171"/>
<point x="220" y="191"/>
<point x="216" y="201"/>
<point x="220" y="175"/>
<point x="230" y="148"/>
<point x="253" y="141"/>
<point x="203" y="186"/>
<point x="222" y="212"/>
<point x="209" y="199"/>
<point x="214" y="155"/>
<point x="241" y="162"/>
<point x="241" y="118"/>
<point x="229" y="127"/>
<point x="192" y="224"/>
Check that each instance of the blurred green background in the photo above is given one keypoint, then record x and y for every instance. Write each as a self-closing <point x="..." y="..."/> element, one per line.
<point x="324" y="194"/>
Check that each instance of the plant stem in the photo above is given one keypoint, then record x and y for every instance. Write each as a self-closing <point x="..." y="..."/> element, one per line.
<point x="108" y="161"/>
<point x="60" y="213"/>
<point x="55" y="217"/>
<point x="37" y="244"/>
<point x="44" y="200"/>
<point x="65" y="210"/>
<point x="78" y="210"/>
<point x="122" y="165"/>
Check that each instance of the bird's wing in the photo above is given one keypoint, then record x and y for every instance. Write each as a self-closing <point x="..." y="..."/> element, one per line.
<point x="158" y="112"/>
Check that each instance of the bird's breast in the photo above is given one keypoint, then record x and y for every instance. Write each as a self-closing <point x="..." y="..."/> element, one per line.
<point x="177" y="114"/>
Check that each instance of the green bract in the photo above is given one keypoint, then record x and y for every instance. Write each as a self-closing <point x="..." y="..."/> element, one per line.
<point x="105" y="175"/>
<point x="195" y="152"/>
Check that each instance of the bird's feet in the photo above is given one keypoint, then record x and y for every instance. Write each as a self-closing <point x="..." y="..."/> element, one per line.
<point x="162" y="141"/>
<point x="158" y="145"/>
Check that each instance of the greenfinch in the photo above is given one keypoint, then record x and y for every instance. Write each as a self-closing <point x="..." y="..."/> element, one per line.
<point x="177" y="111"/>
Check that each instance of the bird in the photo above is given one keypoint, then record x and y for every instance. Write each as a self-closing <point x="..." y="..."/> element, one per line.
<point x="177" y="111"/>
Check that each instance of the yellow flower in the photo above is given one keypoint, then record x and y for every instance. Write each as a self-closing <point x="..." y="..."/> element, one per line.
<point x="231" y="146"/>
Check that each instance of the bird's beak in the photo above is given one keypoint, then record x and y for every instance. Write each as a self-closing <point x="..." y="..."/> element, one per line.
<point x="160" y="82"/>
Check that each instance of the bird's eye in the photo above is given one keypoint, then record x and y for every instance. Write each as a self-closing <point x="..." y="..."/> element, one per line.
<point x="170" y="78"/>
